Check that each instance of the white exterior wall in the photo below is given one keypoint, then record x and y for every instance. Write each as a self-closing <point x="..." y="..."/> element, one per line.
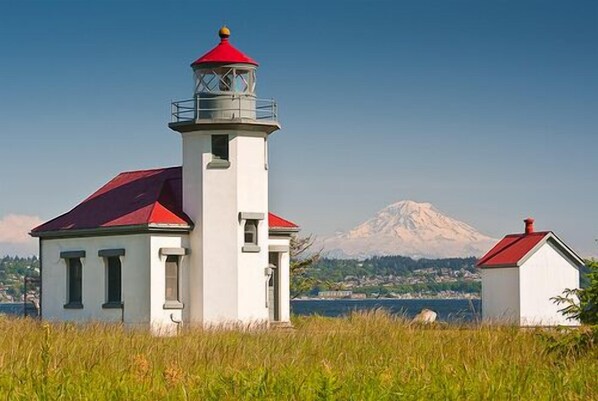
<point x="163" y="321"/>
<point x="252" y="196"/>
<point x="230" y="283"/>
<point x="135" y="279"/>
<point x="544" y="275"/>
<point x="284" y="277"/>
<point x="500" y="295"/>
<point x="196" y="155"/>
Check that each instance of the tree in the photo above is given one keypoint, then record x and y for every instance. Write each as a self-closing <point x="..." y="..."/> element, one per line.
<point x="582" y="303"/>
<point x="302" y="260"/>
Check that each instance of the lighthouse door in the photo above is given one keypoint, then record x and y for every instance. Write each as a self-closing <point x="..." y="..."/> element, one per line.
<point x="274" y="288"/>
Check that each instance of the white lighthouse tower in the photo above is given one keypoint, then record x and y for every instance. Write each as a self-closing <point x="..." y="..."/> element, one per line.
<point x="225" y="131"/>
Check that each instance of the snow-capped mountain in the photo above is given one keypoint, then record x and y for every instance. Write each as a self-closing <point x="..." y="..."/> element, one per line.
<point x="408" y="228"/>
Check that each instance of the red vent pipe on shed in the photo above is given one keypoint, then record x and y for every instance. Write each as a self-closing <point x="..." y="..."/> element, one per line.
<point x="529" y="225"/>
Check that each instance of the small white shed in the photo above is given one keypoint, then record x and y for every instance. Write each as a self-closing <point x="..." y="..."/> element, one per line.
<point x="522" y="273"/>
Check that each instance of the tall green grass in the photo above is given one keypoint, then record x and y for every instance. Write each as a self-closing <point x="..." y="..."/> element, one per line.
<point x="370" y="356"/>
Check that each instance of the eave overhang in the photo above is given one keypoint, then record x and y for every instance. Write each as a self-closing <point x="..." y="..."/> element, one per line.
<point x="117" y="230"/>
<point x="283" y="230"/>
<point x="236" y="125"/>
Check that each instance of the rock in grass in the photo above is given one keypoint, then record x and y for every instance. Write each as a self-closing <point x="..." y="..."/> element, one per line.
<point x="425" y="316"/>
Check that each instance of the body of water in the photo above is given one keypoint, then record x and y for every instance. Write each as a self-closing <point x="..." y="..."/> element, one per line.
<point x="449" y="310"/>
<point x="17" y="309"/>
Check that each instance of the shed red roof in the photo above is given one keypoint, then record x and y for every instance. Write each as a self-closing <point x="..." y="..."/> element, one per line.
<point x="224" y="53"/>
<point x="134" y="198"/>
<point x="511" y="249"/>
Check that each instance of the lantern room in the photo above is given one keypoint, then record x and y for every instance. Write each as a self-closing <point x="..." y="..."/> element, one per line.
<point x="224" y="87"/>
<point x="224" y="70"/>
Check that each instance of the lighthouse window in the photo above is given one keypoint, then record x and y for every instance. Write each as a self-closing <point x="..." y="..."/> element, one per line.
<point x="251" y="232"/>
<point x="220" y="147"/>
<point x="241" y="81"/>
<point x="206" y="81"/>
<point x="226" y="80"/>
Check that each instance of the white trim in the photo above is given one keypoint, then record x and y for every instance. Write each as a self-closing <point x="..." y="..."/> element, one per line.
<point x="174" y="251"/>
<point x="251" y="216"/>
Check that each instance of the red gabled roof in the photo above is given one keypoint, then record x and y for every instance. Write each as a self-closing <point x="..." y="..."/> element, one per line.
<point x="275" y="222"/>
<point x="224" y="53"/>
<point x="130" y="199"/>
<point x="135" y="198"/>
<point x="511" y="249"/>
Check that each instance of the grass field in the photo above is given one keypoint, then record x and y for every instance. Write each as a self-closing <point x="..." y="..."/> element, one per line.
<point x="365" y="357"/>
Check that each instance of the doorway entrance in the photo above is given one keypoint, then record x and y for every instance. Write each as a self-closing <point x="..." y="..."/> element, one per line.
<point x="274" y="287"/>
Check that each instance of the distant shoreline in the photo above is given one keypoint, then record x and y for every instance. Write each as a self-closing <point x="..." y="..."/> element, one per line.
<point x="390" y="298"/>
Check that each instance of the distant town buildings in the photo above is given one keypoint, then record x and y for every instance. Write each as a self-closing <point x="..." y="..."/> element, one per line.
<point x="340" y="294"/>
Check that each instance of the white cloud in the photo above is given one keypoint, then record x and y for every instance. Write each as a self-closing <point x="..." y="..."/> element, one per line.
<point x="14" y="228"/>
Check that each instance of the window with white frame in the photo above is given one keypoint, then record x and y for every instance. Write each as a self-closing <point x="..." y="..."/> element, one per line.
<point x="225" y="79"/>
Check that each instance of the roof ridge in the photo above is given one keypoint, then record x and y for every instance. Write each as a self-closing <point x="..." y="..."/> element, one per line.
<point x="521" y="235"/>
<point x="156" y="201"/>
<point x="148" y="169"/>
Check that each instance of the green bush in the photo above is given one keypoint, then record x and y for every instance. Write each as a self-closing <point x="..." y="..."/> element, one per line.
<point x="582" y="303"/>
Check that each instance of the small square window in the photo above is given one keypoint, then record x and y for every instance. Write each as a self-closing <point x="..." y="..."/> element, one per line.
<point x="251" y="232"/>
<point x="220" y="147"/>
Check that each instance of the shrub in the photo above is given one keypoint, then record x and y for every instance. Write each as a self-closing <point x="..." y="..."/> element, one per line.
<point x="582" y="303"/>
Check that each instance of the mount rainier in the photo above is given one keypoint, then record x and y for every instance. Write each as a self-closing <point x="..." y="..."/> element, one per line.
<point x="408" y="228"/>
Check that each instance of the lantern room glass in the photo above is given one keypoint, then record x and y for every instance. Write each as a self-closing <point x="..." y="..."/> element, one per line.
<point x="225" y="79"/>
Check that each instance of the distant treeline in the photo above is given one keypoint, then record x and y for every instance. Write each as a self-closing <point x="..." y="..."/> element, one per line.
<point x="338" y="269"/>
<point x="335" y="270"/>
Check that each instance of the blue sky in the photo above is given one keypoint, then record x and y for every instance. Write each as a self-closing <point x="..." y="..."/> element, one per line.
<point x="488" y="110"/>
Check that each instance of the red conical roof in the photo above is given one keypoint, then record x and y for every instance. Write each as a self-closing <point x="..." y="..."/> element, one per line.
<point x="224" y="53"/>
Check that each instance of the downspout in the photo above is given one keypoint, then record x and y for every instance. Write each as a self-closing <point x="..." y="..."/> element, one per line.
<point x="179" y="323"/>
<point x="122" y="301"/>
<point x="41" y="281"/>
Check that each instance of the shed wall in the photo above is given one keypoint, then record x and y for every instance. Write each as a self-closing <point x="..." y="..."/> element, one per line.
<point x="500" y="295"/>
<point x="546" y="274"/>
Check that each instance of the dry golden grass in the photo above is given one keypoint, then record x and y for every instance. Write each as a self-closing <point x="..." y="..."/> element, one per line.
<point x="370" y="356"/>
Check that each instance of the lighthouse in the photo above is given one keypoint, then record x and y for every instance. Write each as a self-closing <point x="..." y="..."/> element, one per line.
<point x="224" y="130"/>
<point x="185" y="245"/>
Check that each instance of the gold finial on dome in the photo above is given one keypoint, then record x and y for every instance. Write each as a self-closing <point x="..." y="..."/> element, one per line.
<point x="224" y="32"/>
